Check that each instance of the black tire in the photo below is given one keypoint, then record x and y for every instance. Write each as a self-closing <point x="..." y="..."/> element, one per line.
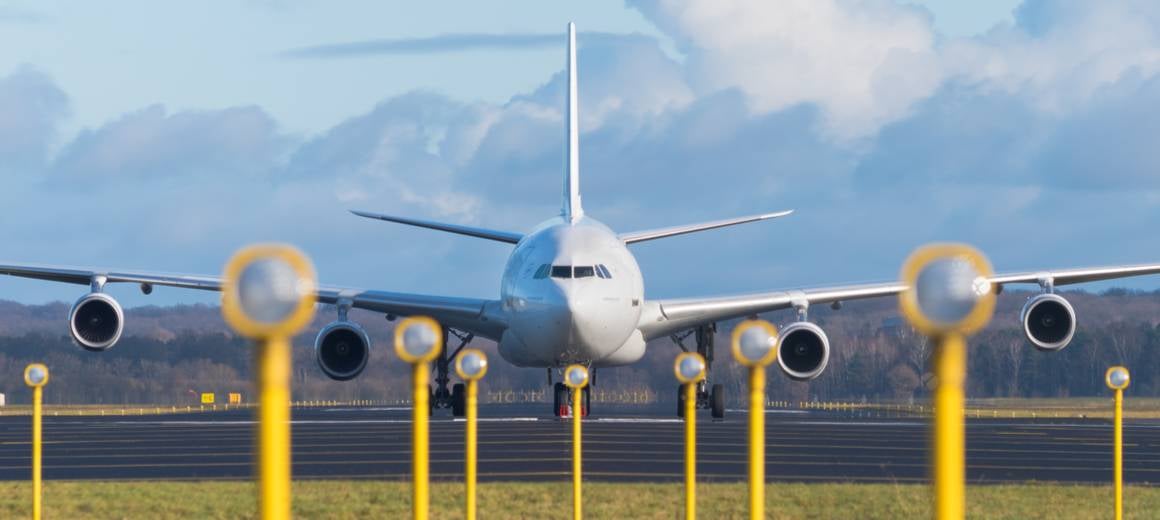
<point x="681" y="402"/>
<point x="586" y="404"/>
<point x="561" y="399"/>
<point x="717" y="400"/>
<point x="458" y="400"/>
<point x="430" y="399"/>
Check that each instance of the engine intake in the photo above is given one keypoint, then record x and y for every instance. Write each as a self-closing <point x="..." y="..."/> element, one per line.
<point x="96" y="321"/>
<point x="803" y="351"/>
<point x="1048" y="322"/>
<point x="342" y="350"/>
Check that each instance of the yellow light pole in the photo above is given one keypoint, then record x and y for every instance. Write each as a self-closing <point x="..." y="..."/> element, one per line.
<point x="36" y="376"/>
<point x="948" y="296"/>
<point x="755" y="346"/>
<point x="576" y="377"/>
<point x="471" y="365"/>
<point x="418" y="340"/>
<point x="689" y="368"/>
<point x="268" y="295"/>
<point x="1117" y="379"/>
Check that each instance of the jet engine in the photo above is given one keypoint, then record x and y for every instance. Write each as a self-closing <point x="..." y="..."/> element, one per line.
<point x="96" y="322"/>
<point x="342" y="350"/>
<point x="1048" y="321"/>
<point x="803" y="351"/>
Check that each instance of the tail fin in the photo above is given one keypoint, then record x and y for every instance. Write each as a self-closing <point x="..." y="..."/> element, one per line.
<point x="572" y="210"/>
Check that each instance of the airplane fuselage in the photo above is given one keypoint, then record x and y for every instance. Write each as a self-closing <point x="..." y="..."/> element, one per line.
<point x="573" y="294"/>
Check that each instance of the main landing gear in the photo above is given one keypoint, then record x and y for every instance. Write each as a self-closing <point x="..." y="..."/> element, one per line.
<point x="454" y="397"/>
<point x="709" y="396"/>
<point x="562" y="397"/>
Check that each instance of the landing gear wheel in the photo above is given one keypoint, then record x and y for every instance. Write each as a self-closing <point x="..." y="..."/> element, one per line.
<point x="430" y="400"/>
<point x="717" y="401"/>
<point x="681" y="402"/>
<point x="458" y="400"/>
<point x="560" y="402"/>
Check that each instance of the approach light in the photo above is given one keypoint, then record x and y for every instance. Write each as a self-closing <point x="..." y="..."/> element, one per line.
<point x="268" y="291"/>
<point x="471" y="365"/>
<point x="1117" y="378"/>
<point x="755" y="343"/>
<point x="36" y="375"/>
<point x="576" y="376"/>
<point x="418" y="339"/>
<point x="948" y="289"/>
<point x="689" y="367"/>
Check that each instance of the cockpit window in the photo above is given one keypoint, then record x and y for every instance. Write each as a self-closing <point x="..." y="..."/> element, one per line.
<point x="568" y="271"/>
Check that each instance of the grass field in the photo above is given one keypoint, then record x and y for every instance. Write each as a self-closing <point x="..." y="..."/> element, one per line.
<point x="362" y="499"/>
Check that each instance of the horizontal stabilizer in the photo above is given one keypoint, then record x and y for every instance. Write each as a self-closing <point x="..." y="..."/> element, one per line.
<point x="499" y="236"/>
<point x="641" y="236"/>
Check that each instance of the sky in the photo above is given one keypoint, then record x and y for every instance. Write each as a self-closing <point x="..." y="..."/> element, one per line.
<point x="163" y="136"/>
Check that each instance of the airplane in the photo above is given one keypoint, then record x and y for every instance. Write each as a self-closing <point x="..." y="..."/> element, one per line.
<point x="571" y="292"/>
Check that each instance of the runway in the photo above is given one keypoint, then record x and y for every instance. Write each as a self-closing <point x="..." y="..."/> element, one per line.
<point x="521" y="443"/>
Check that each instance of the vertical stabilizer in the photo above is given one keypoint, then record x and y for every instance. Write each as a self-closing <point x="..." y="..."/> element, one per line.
<point x="572" y="210"/>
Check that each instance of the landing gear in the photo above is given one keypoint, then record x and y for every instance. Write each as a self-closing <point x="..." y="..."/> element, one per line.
<point x="562" y="400"/>
<point x="715" y="400"/>
<point x="458" y="400"/>
<point x="443" y="397"/>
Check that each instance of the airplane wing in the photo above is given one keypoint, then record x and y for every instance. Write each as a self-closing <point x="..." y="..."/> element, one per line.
<point x="478" y="316"/>
<point x="661" y="318"/>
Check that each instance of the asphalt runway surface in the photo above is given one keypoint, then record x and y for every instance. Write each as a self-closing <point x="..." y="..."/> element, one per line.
<point x="525" y="443"/>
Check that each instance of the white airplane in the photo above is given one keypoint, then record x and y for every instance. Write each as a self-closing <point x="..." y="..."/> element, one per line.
<point x="571" y="292"/>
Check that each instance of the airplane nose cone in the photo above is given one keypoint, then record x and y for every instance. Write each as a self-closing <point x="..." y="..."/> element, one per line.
<point x="572" y="321"/>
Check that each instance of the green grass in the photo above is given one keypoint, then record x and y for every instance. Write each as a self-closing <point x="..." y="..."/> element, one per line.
<point x="363" y="499"/>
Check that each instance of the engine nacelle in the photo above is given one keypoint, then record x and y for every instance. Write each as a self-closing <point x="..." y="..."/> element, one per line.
<point x="803" y="351"/>
<point x="96" y="321"/>
<point x="1048" y="321"/>
<point x="342" y="350"/>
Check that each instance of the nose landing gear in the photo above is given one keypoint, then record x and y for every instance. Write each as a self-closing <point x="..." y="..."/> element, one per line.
<point x="711" y="397"/>
<point x="562" y="399"/>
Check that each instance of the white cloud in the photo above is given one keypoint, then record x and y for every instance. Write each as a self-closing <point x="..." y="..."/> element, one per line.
<point x="152" y="143"/>
<point x="31" y="107"/>
<point x="863" y="62"/>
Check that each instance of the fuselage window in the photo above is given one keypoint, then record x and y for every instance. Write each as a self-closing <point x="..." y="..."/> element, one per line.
<point x="584" y="271"/>
<point x="561" y="271"/>
<point x="542" y="271"/>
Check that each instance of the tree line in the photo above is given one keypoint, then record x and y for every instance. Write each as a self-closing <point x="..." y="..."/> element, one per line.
<point x="169" y="355"/>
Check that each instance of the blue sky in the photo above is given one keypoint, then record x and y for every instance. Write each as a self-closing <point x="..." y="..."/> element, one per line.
<point x="163" y="136"/>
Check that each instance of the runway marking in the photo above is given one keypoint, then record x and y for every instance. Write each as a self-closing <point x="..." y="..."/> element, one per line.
<point x="360" y="410"/>
<point x="496" y="419"/>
